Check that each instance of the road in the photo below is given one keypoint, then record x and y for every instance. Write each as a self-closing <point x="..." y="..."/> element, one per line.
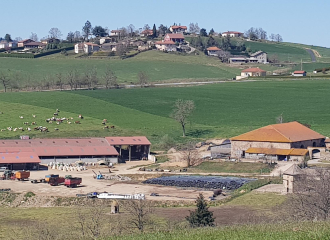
<point x="311" y="53"/>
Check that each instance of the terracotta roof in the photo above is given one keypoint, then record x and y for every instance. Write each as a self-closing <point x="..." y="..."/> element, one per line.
<point x="293" y="170"/>
<point x="213" y="49"/>
<point x="299" y="72"/>
<point x="26" y="157"/>
<point x="284" y="132"/>
<point x="277" y="151"/>
<point x="175" y="35"/>
<point x="253" y="70"/>
<point x="128" y="141"/>
<point x="232" y="32"/>
<point x="177" y="27"/>
<point x="23" y="41"/>
<point x="150" y="32"/>
<point x="165" y="43"/>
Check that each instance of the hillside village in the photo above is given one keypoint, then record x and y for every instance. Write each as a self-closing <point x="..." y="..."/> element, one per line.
<point x="95" y="157"/>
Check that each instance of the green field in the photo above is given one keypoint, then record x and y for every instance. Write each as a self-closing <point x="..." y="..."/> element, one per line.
<point x="231" y="167"/>
<point x="159" y="67"/>
<point x="222" y="110"/>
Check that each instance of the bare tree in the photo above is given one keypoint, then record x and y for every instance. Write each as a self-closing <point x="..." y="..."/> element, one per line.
<point x="131" y="30"/>
<point x="194" y="28"/>
<point x="278" y="38"/>
<point x="146" y="27"/>
<point x="190" y="154"/>
<point x="77" y="36"/>
<point x="272" y="37"/>
<point x="139" y="213"/>
<point x="120" y="49"/>
<point x="59" y="80"/>
<point x="34" y="37"/>
<point x="17" y="39"/>
<point x="71" y="79"/>
<point x="311" y="197"/>
<point x="280" y="119"/>
<point x="223" y="55"/>
<point x="5" y="80"/>
<point x="55" y="33"/>
<point x="143" y="78"/>
<point x="110" y="79"/>
<point x="182" y="111"/>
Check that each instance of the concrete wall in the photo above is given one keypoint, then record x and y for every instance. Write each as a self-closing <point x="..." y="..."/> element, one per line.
<point x="237" y="147"/>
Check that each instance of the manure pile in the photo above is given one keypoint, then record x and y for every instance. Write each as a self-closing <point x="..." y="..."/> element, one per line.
<point x="206" y="182"/>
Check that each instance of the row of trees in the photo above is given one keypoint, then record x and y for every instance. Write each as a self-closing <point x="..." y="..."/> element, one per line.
<point x="259" y="33"/>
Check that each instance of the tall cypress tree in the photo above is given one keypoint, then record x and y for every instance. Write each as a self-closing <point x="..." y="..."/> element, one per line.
<point x="202" y="216"/>
<point x="154" y="31"/>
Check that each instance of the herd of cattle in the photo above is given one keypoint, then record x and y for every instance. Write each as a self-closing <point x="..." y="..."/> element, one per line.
<point x="54" y="119"/>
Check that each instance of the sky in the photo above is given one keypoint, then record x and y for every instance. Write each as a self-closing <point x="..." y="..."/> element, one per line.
<point x="298" y="21"/>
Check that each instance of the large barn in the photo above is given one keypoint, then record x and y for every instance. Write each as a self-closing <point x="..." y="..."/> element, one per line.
<point x="27" y="154"/>
<point x="285" y="141"/>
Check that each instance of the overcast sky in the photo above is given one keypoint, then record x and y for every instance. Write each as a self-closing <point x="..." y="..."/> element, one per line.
<point x="299" y="21"/>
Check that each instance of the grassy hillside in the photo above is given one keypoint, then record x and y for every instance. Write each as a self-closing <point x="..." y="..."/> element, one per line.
<point x="222" y="110"/>
<point x="159" y="66"/>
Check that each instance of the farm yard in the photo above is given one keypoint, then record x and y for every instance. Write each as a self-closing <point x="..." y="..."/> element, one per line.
<point x="222" y="110"/>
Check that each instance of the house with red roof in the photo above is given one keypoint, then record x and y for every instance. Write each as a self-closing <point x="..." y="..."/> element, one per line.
<point x="299" y="74"/>
<point x="166" y="46"/>
<point x="175" y="37"/>
<point x="232" y="34"/>
<point x="178" y="29"/>
<point x="32" y="45"/>
<point x="253" y="72"/>
<point x="213" y="51"/>
<point x="23" y="42"/>
<point x="146" y="33"/>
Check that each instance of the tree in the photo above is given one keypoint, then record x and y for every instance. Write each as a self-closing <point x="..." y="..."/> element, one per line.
<point x="272" y="37"/>
<point x="71" y="78"/>
<point x="146" y="27"/>
<point x="8" y="38"/>
<point x="87" y="29"/>
<point x="17" y="39"/>
<point x="154" y="31"/>
<point x="131" y="30"/>
<point x="55" y="33"/>
<point x="143" y="78"/>
<point x="223" y="55"/>
<point x="5" y="80"/>
<point x="110" y="79"/>
<point x="202" y="216"/>
<point x="194" y="28"/>
<point x="252" y="34"/>
<point x="77" y="36"/>
<point x="162" y="30"/>
<point x="203" y="32"/>
<point x="189" y="154"/>
<point x="34" y="37"/>
<point x="311" y="195"/>
<point x="262" y="34"/>
<point x="182" y="111"/>
<point x="70" y="37"/>
<point x="139" y="213"/>
<point x="211" y="32"/>
<point x="59" y="81"/>
<point x="278" y="38"/>
<point x="99" y="31"/>
<point x="211" y="42"/>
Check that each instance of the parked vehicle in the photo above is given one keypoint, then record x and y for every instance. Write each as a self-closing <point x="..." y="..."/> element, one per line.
<point x="2" y="169"/>
<point x="22" y="175"/>
<point x="55" y="181"/>
<point x="72" y="182"/>
<point x="47" y="177"/>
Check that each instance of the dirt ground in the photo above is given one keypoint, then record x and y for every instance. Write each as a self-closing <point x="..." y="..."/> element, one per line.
<point x="89" y="184"/>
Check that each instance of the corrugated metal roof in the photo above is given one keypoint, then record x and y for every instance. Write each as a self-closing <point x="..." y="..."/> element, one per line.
<point x="54" y="142"/>
<point x="128" y="140"/>
<point x="26" y="157"/>
<point x="278" y="151"/>
<point x="284" y="132"/>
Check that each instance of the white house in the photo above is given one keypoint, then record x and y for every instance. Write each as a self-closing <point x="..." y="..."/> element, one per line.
<point x="168" y="46"/>
<point x="178" y="29"/>
<point x="253" y="72"/>
<point x="175" y="37"/>
<point x="299" y="73"/>
<point x="86" y="47"/>
<point x="213" y="51"/>
<point x="115" y="33"/>
<point x="232" y="34"/>
<point x="260" y="57"/>
<point x="4" y="44"/>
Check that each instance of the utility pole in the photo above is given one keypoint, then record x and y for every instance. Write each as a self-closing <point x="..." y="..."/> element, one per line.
<point x="301" y="65"/>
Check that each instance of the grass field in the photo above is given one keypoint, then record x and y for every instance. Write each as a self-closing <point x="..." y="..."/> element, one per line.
<point x="222" y="110"/>
<point x="159" y="67"/>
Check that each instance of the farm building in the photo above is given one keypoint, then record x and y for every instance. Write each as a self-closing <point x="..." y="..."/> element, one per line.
<point x="299" y="74"/>
<point x="221" y="150"/>
<point x="178" y="29"/>
<point x="232" y="34"/>
<point x="32" y="45"/>
<point x="213" y="51"/>
<point x="259" y="57"/>
<point x="168" y="46"/>
<point x="34" y="151"/>
<point x="285" y="141"/>
<point x="253" y="72"/>
<point x="289" y="178"/>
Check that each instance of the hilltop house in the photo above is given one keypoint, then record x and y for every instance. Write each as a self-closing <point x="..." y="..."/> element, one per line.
<point x="175" y="37"/>
<point x="299" y="74"/>
<point x="115" y="33"/>
<point x="259" y="57"/>
<point x="168" y="46"/>
<point x="4" y="44"/>
<point x="147" y="33"/>
<point x="285" y="141"/>
<point x="23" y="42"/>
<point x="32" y="45"/>
<point x="86" y="47"/>
<point x="232" y="34"/>
<point x="178" y="29"/>
<point x="213" y="51"/>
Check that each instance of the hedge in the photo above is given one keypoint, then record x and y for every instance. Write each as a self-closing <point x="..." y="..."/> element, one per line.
<point x="17" y="55"/>
<point x="52" y="52"/>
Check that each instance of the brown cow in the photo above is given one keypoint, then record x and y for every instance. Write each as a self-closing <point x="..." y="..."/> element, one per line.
<point x="77" y="122"/>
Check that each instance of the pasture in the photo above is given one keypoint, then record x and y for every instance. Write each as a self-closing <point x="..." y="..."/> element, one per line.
<point x="222" y="110"/>
<point x="159" y="67"/>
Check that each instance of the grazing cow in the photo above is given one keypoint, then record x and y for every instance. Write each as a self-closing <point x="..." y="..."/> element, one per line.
<point x="106" y="127"/>
<point x="56" y="114"/>
<point x="29" y="129"/>
<point x="103" y="123"/>
<point x="2" y="130"/>
<point x="113" y="127"/>
<point x="33" y="115"/>
<point x="77" y="122"/>
<point x="33" y="123"/>
<point x="69" y="122"/>
<point x="26" y="123"/>
<point x="105" y="120"/>
<point x="80" y="116"/>
<point x="56" y="129"/>
<point x="1" y="112"/>
<point x="57" y="110"/>
<point x="21" y="117"/>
